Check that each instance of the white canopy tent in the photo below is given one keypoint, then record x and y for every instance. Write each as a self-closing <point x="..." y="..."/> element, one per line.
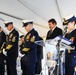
<point x="38" y="10"/>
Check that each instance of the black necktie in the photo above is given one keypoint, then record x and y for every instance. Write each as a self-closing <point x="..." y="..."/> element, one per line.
<point x="50" y="32"/>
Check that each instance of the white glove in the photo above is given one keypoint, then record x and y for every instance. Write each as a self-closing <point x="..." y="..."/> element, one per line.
<point x="21" y="55"/>
<point x="4" y="52"/>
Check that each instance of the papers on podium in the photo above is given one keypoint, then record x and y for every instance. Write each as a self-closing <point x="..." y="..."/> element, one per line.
<point x="64" y="42"/>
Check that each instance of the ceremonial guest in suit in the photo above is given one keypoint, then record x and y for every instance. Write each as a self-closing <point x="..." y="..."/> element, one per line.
<point x="70" y="55"/>
<point x="2" y="42"/>
<point x="29" y="50"/>
<point x="11" y="49"/>
<point x="52" y="33"/>
<point x="54" y="30"/>
<point x="39" y="58"/>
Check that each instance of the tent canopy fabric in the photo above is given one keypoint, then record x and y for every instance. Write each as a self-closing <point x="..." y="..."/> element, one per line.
<point x="38" y="10"/>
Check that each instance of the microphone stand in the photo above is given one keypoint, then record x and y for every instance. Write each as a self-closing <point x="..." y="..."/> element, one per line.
<point x="59" y="61"/>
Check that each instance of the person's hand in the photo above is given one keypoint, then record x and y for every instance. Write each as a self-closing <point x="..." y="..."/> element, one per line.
<point x="20" y="55"/>
<point x="4" y="52"/>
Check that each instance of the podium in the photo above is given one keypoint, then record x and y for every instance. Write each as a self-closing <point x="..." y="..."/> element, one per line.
<point x="53" y="55"/>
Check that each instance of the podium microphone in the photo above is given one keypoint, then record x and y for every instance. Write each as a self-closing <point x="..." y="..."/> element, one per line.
<point x="65" y="30"/>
